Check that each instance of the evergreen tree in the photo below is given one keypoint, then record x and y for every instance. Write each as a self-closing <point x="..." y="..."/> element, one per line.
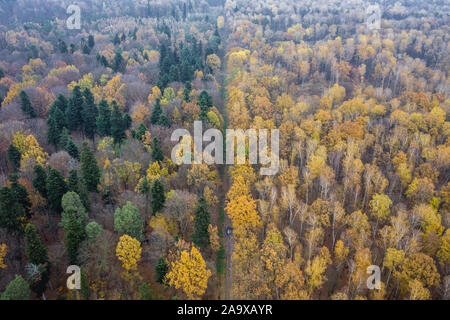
<point x="145" y="292"/>
<point x="200" y="236"/>
<point x="73" y="113"/>
<point x="157" y="153"/>
<point x="62" y="104"/>
<point x="117" y="124"/>
<point x="40" y="180"/>
<point x="163" y="120"/>
<point x="35" y="251"/>
<point x="158" y="196"/>
<point x="72" y="206"/>
<point x="72" y="148"/>
<point x="144" y="189"/>
<point x="56" y="188"/>
<point x="53" y="132"/>
<point x="205" y="103"/>
<point x="156" y="112"/>
<point x="91" y="41"/>
<point x="161" y="270"/>
<point x="104" y="118"/>
<point x="11" y="211"/>
<point x="77" y="185"/>
<point x="72" y="182"/>
<point x="14" y="157"/>
<point x="56" y="121"/>
<point x="128" y="220"/>
<point x="17" y="289"/>
<point x="187" y="91"/>
<point x="89" y="114"/>
<point x="25" y="105"/>
<point x="89" y="168"/>
<point x="75" y="234"/>
<point x="119" y="63"/>
<point x="21" y="194"/>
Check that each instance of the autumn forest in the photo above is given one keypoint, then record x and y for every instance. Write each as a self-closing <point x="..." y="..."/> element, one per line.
<point x="91" y="92"/>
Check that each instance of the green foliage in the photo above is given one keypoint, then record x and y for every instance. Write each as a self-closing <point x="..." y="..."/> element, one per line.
<point x="118" y="124"/>
<point x="93" y="230"/>
<point x="89" y="114"/>
<point x="103" y="120"/>
<point x="157" y="152"/>
<point x="35" y="251"/>
<point x="73" y="207"/>
<point x="128" y="221"/>
<point x="74" y="119"/>
<point x="145" y="292"/>
<point x="72" y="148"/>
<point x="25" y="105"/>
<point x="200" y="236"/>
<point x="11" y="212"/>
<point x="17" y="289"/>
<point x="89" y="168"/>
<point x="56" y="188"/>
<point x="161" y="270"/>
<point x="40" y="180"/>
<point x="158" y="196"/>
<point x="14" y="157"/>
<point x="156" y="112"/>
<point x="21" y="194"/>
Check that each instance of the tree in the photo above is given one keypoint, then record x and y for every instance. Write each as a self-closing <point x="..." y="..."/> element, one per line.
<point x="75" y="234"/>
<point x="35" y="251"/>
<point x="56" y="120"/>
<point x="187" y="91"/>
<point x="315" y="269"/>
<point x="118" y="125"/>
<point x="73" y="207"/>
<point x="73" y="113"/>
<point x="128" y="251"/>
<point x="119" y="63"/>
<point x="205" y="103"/>
<point x="89" y="114"/>
<point x="158" y="196"/>
<point x="157" y="152"/>
<point x="189" y="273"/>
<point x="11" y="212"/>
<point x="103" y="120"/>
<point x="128" y="221"/>
<point x="161" y="270"/>
<point x="91" y="41"/>
<point x="25" y="105"/>
<point x="93" y="230"/>
<point x="89" y="168"/>
<point x="14" y="157"/>
<point x="3" y="252"/>
<point x="17" y="289"/>
<point x="21" y="194"/>
<point x="71" y="148"/>
<point x="56" y="188"/>
<point x="200" y="236"/>
<point x="40" y="180"/>
<point x="156" y="112"/>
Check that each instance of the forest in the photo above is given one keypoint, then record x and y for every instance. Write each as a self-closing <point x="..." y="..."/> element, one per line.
<point x="87" y="177"/>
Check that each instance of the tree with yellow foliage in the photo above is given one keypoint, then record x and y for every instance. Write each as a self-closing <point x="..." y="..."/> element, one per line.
<point x="190" y="274"/>
<point x="3" y="252"/>
<point x="128" y="251"/>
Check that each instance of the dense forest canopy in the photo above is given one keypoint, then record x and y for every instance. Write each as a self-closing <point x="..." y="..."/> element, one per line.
<point x="87" y="176"/>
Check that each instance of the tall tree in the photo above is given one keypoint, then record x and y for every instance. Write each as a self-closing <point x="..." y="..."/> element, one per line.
<point x="161" y="270"/>
<point x="14" y="157"/>
<point x="11" y="212"/>
<point x="26" y="106"/>
<point x="200" y="236"/>
<point x="73" y="113"/>
<point x="56" y="188"/>
<point x="156" y="112"/>
<point x="72" y="148"/>
<point x="117" y="124"/>
<point x="158" y="196"/>
<point x="40" y="180"/>
<point x="89" y="114"/>
<point x="157" y="153"/>
<point x="89" y="168"/>
<point x="128" y="221"/>
<point x="35" y="251"/>
<point x="17" y="289"/>
<point x="104" y="118"/>
<point x="21" y="194"/>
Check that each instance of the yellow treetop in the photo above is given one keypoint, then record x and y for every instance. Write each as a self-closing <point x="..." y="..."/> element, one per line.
<point x="128" y="251"/>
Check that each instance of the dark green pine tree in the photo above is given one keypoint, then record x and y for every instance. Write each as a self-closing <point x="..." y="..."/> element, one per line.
<point x="157" y="153"/>
<point x="25" y="105"/>
<point x="56" y="122"/>
<point x="61" y="103"/>
<point x="140" y="132"/>
<point x="144" y="189"/>
<point x="156" y="112"/>
<point x="117" y="124"/>
<point x="127" y="121"/>
<point x="72" y="148"/>
<point x="11" y="211"/>
<point x="119" y="63"/>
<point x="56" y="188"/>
<point x="163" y="120"/>
<point x="205" y="103"/>
<point x="89" y="114"/>
<point x="187" y="91"/>
<point x="161" y="270"/>
<point x="89" y="168"/>
<point x="35" y="251"/>
<point x="74" y="119"/>
<point x="21" y="194"/>
<point x="200" y="236"/>
<point x="14" y="157"/>
<point x="75" y="234"/>
<point x="104" y="119"/>
<point x="78" y="186"/>
<point x="158" y="196"/>
<point x="40" y="180"/>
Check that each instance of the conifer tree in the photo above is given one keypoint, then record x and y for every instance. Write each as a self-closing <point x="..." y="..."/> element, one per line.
<point x="26" y="106"/>
<point x="89" y="114"/>
<point x="11" y="211"/>
<point x="117" y="124"/>
<point x="156" y="112"/>
<point x="89" y="168"/>
<point x="158" y="196"/>
<point x="35" y="251"/>
<point x="40" y="180"/>
<point x="104" y="119"/>
<point x="72" y="148"/>
<point x="56" y="188"/>
<point x="157" y="153"/>
<point x="14" y="157"/>
<point x="161" y="270"/>
<point x="21" y="194"/>
<point x="200" y="236"/>
<point x="73" y="113"/>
